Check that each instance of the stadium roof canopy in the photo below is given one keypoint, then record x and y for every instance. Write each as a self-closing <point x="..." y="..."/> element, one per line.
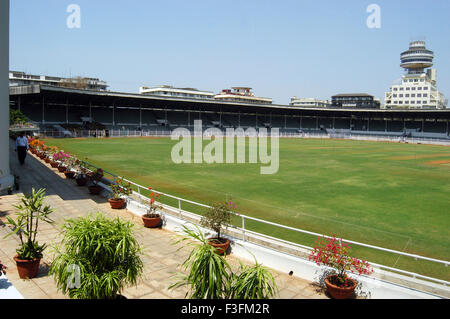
<point x="60" y="95"/>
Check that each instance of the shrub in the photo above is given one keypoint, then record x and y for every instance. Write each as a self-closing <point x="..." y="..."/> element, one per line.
<point x="217" y="217"/>
<point x="106" y="253"/>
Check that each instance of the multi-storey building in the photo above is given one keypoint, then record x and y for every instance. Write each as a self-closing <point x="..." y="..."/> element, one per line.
<point x="241" y="94"/>
<point x="21" y="78"/>
<point x="309" y="102"/>
<point x="417" y="88"/>
<point x="355" y="100"/>
<point x="167" y="90"/>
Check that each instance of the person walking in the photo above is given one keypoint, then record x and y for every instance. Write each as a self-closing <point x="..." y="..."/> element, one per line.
<point x="22" y="148"/>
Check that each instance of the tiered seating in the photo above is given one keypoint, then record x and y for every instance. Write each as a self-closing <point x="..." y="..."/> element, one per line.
<point x="377" y="125"/>
<point x="308" y="123"/>
<point x="395" y="126"/>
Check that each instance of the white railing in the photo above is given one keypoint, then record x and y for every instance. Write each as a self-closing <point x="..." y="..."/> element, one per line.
<point x="245" y="232"/>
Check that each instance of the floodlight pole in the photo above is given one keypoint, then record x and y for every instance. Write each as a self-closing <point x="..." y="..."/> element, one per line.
<point x="6" y="179"/>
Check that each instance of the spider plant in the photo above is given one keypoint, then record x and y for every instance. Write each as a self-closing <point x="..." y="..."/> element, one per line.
<point x="208" y="273"/>
<point x="106" y="253"/>
<point x="255" y="282"/>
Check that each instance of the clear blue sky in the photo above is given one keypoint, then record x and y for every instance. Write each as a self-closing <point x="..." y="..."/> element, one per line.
<point x="279" y="48"/>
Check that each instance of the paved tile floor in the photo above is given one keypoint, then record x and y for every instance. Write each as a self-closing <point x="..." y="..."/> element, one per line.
<point x="162" y="258"/>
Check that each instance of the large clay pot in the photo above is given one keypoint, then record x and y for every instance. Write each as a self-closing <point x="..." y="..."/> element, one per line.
<point x="27" y="269"/>
<point x="54" y="164"/>
<point x="340" y="292"/>
<point x="61" y="169"/>
<point x="95" y="189"/>
<point x="47" y="160"/>
<point x="221" y="245"/>
<point x="116" y="203"/>
<point x="151" y="222"/>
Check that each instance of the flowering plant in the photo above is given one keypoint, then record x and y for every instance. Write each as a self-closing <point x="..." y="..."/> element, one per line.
<point x="96" y="176"/>
<point x="151" y="212"/>
<point x="119" y="188"/>
<point x="332" y="252"/>
<point x="61" y="156"/>
<point x="218" y="216"/>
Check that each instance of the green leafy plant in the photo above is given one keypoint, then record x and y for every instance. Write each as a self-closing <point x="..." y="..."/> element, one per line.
<point x="106" y="253"/>
<point x="120" y="188"/>
<point x="217" y="217"/>
<point x="255" y="282"/>
<point x="208" y="273"/>
<point x="31" y="211"/>
<point x="209" y="276"/>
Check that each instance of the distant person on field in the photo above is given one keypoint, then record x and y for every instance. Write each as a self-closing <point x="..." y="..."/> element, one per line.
<point x="22" y="148"/>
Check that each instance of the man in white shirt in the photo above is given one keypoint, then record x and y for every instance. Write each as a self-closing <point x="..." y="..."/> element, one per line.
<point x="22" y="148"/>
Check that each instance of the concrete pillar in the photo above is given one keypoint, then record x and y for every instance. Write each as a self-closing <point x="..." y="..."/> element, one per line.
<point x="6" y="178"/>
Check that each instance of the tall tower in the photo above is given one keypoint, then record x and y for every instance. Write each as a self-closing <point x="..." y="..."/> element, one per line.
<point x="417" y="58"/>
<point x="417" y="88"/>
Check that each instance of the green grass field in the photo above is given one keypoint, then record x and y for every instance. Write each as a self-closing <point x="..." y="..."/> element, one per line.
<point x="386" y="194"/>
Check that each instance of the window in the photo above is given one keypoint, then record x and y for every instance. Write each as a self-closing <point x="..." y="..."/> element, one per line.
<point x="413" y="95"/>
<point x="406" y="95"/>
<point x="400" y="102"/>
<point x="419" y="95"/>
<point x="408" y="89"/>
<point x="425" y="95"/>
<point x="416" y="80"/>
<point x="425" y="88"/>
<point x="422" y="80"/>
<point x="413" y="102"/>
<point x="424" y="102"/>
<point x="406" y="102"/>
<point x="400" y="95"/>
<point x="395" y="95"/>
<point x="395" y="89"/>
<point x="401" y="89"/>
<point x="413" y="88"/>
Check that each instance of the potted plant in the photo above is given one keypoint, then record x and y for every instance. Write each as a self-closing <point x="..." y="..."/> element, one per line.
<point x="218" y="216"/>
<point x="104" y="251"/>
<point x="332" y="252"/>
<point x="80" y="176"/>
<point x="119" y="188"/>
<point x="152" y="218"/>
<point x="60" y="158"/>
<point x="209" y="276"/>
<point x="31" y="211"/>
<point x="70" y="163"/>
<point x="208" y="273"/>
<point x="95" y="178"/>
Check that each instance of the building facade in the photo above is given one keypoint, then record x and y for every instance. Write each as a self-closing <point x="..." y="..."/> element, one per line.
<point x="242" y="95"/>
<point x="309" y="102"/>
<point x="417" y="88"/>
<point x="170" y="91"/>
<point x="17" y="78"/>
<point x="355" y="100"/>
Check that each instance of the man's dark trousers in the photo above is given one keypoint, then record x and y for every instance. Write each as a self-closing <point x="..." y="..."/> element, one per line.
<point x="22" y="152"/>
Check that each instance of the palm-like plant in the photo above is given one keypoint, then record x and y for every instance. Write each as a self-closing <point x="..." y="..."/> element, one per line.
<point x="107" y="254"/>
<point x="208" y="276"/>
<point x="31" y="210"/>
<point x="255" y="282"/>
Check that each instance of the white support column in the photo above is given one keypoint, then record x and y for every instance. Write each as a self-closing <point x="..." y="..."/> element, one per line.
<point x="6" y="178"/>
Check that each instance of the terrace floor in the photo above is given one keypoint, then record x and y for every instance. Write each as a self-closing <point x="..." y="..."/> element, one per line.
<point x="162" y="258"/>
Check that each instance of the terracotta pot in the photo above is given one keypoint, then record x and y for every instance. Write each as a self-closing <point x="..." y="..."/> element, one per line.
<point x="340" y="292"/>
<point x="41" y="156"/>
<point x="95" y="189"/>
<point x="61" y="169"/>
<point x="151" y="222"/>
<point x="47" y="160"/>
<point x="221" y="248"/>
<point x="27" y="269"/>
<point x="54" y="164"/>
<point x="81" y="181"/>
<point x="116" y="203"/>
